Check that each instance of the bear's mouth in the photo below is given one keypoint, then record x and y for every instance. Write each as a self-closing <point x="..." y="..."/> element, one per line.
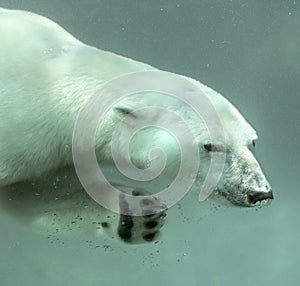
<point x="255" y="197"/>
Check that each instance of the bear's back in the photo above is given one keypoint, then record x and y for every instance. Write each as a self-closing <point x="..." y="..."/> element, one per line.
<point x="26" y="28"/>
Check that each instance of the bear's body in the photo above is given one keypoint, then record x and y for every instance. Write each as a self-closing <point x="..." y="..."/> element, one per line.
<point x="37" y="57"/>
<point x="46" y="76"/>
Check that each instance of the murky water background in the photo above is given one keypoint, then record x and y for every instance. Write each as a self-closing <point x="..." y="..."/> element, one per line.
<point x="250" y="52"/>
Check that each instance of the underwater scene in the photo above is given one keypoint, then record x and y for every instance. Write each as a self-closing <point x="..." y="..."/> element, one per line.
<point x="149" y="142"/>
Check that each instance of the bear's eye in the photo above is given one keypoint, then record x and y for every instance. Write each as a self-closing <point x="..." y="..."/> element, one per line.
<point x="253" y="143"/>
<point x="210" y="147"/>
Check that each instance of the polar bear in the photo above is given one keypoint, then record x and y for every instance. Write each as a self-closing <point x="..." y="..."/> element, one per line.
<point x="47" y="75"/>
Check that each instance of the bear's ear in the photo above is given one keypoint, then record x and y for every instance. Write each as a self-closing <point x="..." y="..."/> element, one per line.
<point x="122" y="110"/>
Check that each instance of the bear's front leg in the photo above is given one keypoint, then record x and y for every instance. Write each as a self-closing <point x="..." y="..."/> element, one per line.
<point x="145" y="228"/>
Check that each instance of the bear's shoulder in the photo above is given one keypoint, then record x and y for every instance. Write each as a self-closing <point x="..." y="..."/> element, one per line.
<point x="21" y="22"/>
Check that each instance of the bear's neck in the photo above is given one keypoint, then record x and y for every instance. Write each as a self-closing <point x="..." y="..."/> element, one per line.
<point x="83" y="72"/>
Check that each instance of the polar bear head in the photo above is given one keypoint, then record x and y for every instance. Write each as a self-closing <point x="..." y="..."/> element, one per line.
<point x="242" y="182"/>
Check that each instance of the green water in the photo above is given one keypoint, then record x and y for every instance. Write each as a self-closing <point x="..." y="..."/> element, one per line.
<point x="250" y="52"/>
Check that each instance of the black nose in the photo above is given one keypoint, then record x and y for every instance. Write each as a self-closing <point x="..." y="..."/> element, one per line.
<point x="255" y="197"/>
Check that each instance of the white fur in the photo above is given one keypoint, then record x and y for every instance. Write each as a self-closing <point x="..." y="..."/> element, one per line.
<point x="46" y="77"/>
